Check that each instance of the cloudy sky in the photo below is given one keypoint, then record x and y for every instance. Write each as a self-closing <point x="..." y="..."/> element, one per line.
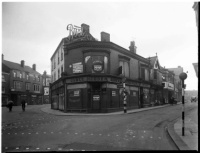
<point x="31" y="31"/>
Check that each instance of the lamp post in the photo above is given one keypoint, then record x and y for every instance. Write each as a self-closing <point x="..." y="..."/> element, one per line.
<point x="183" y="76"/>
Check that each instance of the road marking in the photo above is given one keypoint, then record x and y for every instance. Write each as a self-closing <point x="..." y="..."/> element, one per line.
<point x="37" y="148"/>
<point x="17" y="148"/>
<point x="82" y="150"/>
<point x="48" y="148"/>
<point x="27" y="148"/>
<point x="59" y="148"/>
<point x="71" y="149"/>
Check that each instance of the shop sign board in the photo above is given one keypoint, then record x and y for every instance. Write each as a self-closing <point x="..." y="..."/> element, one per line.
<point x="113" y="93"/>
<point x="96" y="97"/>
<point x="76" y="93"/>
<point x="46" y="90"/>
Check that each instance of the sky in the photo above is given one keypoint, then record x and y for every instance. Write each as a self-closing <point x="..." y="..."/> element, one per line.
<point x="31" y="31"/>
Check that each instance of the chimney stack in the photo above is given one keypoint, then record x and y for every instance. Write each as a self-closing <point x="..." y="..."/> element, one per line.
<point x="85" y="28"/>
<point x="105" y="37"/>
<point x="34" y="67"/>
<point x="132" y="47"/>
<point x="2" y="57"/>
<point x="45" y="73"/>
<point x="22" y="63"/>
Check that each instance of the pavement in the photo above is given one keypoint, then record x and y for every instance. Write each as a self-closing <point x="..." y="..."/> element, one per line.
<point x="187" y="142"/>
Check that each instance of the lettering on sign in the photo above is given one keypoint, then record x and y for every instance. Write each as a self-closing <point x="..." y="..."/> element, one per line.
<point x="96" y="97"/>
<point x="77" y="67"/>
<point x="113" y="93"/>
<point x="76" y="93"/>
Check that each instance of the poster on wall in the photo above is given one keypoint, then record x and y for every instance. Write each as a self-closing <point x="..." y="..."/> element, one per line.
<point x="113" y="93"/>
<point x="96" y="97"/>
<point x="76" y="93"/>
<point x="77" y="67"/>
<point x="46" y="91"/>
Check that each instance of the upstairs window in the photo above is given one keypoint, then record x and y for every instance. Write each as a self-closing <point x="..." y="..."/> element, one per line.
<point x="125" y="67"/>
<point x="27" y="86"/>
<point x="14" y="74"/>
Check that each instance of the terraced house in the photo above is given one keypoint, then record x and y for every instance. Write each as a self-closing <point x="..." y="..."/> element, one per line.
<point x="21" y="82"/>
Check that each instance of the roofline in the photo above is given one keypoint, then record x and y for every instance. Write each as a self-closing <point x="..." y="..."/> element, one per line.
<point x="57" y="47"/>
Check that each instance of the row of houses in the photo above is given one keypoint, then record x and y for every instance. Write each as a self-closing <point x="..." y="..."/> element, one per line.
<point x="20" y="81"/>
<point x="86" y="74"/>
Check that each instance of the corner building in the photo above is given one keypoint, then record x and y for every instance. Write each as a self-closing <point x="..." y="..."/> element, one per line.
<point x="92" y="71"/>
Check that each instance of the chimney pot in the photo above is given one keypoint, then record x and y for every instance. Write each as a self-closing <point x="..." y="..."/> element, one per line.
<point x="85" y="28"/>
<point x="22" y="63"/>
<point x="34" y="67"/>
<point x="132" y="47"/>
<point x="105" y="37"/>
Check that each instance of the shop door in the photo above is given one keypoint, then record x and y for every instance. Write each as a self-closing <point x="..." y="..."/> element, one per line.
<point x="96" y="96"/>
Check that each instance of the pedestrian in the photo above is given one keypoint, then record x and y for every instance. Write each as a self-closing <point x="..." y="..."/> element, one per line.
<point x="172" y="100"/>
<point x="10" y="105"/>
<point x="141" y="99"/>
<point x="23" y="102"/>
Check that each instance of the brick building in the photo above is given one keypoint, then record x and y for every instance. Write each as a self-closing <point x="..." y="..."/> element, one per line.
<point x="20" y="82"/>
<point x="92" y="71"/>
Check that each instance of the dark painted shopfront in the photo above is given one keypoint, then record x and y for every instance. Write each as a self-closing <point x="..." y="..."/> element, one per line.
<point x="96" y="93"/>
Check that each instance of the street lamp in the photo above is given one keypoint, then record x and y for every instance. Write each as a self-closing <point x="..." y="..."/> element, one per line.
<point x="183" y="76"/>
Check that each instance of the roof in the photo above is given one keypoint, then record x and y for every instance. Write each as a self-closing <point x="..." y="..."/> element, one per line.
<point x="17" y="66"/>
<point x="176" y="71"/>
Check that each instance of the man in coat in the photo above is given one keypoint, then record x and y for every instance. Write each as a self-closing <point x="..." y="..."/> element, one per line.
<point x="23" y="102"/>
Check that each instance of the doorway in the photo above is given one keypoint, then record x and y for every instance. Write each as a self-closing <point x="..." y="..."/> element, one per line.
<point x="96" y="96"/>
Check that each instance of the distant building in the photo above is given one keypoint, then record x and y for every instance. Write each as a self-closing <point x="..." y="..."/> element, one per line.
<point x="46" y="80"/>
<point x="20" y="82"/>
<point x="177" y="82"/>
<point x="196" y="9"/>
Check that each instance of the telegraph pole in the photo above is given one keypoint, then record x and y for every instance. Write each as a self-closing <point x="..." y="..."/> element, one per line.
<point x="183" y="76"/>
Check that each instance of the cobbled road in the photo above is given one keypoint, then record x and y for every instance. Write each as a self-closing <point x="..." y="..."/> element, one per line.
<point x="34" y="130"/>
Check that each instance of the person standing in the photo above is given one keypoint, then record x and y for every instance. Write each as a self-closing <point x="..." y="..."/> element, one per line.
<point x="10" y="105"/>
<point x="23" y="102"/>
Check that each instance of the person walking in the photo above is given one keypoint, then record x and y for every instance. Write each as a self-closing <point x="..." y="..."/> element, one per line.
<point x="10" y="105"/>
<point x="23" y="102"/>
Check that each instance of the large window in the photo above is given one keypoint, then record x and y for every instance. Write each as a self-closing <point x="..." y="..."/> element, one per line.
<point x="36" y="87"/>
<point x="14" y="74"/>
<point x="125" y="67"/>
<point x="27" y="86"/>
<point x="96" y="64"/>
<point x="17" y="85"/>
